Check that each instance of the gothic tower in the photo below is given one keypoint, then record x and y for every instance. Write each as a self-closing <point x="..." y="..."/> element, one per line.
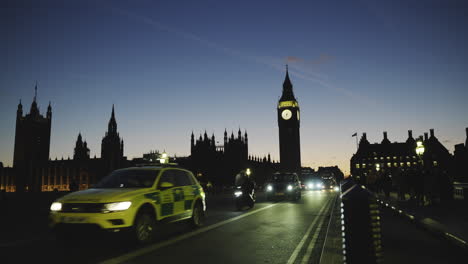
<point x="32" y="144"/>
<point x="112" y="147"/>
<point x="81" y="149"/>
<point x="288" y="123"/>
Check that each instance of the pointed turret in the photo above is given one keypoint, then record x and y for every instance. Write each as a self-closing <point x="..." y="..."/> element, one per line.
<point x="385" y="139"/>
<point x="34" y="111"/>
<point x="288" y="94"/>
<point x="19" y="112"/>
<point x="466" y="140"/>
<point x="239" y="134"/>
<point x="49" y="111"/>
<point x="112" y="127"/>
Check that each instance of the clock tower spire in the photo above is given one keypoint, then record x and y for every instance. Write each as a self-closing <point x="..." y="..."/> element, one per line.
<point x="288" y="123"/>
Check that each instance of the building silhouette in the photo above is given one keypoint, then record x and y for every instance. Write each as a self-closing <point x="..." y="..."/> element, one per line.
<point x="33" y="171"/>
<point x="112" y="147"/>
<point x="397" y="166"/>
<point x="32" y="144"/>
<point x="461" y="160"/>
<point x="288" y="123"/>
<point x="219" y="163"/>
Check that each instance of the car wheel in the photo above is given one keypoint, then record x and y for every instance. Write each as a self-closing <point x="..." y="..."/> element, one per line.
<point x="198" y="216"/>
<point x="143" y="227"/>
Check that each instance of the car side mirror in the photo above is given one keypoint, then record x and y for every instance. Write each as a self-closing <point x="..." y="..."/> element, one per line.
<point x="166" y="185"/>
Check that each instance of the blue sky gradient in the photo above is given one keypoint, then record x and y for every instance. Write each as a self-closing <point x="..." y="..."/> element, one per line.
<point x="171" y="67"/>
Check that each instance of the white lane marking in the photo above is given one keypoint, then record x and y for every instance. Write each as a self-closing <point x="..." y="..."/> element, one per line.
<point x="148" y="249"/>
<point x="293" y="257"/>
<point x="311" y="246"/>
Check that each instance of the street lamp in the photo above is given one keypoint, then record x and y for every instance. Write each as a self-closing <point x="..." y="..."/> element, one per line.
<point x="248" y="172"/>
<point x="164" y="158"/>
<point x="419" y="147"/>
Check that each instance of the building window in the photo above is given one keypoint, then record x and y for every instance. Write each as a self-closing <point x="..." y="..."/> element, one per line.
<point x="389" y="164"/>
<point x="395" y="164"/>
<point x="388" y="158"/>
<point x="402" y="164"/>
<point x="408" y="164"/>
<point x="357" y="166"/>
<point x="364" y="165"/>
<point x="435" y="163"/>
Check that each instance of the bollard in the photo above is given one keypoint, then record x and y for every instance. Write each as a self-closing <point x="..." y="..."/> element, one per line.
<point x="360" y="225"/>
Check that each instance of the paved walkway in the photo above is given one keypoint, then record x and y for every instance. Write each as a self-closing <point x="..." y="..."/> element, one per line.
<point x="450" y="217"/>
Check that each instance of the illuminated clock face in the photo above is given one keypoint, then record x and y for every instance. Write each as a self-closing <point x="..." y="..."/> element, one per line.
<point x="286" y="114"/>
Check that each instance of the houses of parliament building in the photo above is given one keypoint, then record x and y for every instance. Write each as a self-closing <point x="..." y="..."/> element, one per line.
<point x="33" y="171"/>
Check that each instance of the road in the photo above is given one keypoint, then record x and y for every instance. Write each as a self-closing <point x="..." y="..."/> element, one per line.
<point x="271" y="232"/>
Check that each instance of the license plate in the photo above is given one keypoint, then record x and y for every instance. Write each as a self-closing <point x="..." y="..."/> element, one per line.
<point x="74" y="219"/>
<point x="279" y="193"/>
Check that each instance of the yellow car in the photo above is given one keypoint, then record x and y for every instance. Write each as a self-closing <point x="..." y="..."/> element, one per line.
<point x="135" y="199"/>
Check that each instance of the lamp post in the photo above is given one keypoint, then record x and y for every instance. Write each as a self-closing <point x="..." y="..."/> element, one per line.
<point x="420" y="148"/>
<point x="164" y="158"/>
<point x="420" y="152"/>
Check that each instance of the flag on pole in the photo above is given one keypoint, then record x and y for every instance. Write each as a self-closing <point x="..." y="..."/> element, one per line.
<point x="354" y="135"/>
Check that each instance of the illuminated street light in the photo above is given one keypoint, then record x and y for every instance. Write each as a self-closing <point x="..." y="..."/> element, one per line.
<point x="248" y="172"/>
<point x="419" y="148"/>
<point x="164" y="158"/>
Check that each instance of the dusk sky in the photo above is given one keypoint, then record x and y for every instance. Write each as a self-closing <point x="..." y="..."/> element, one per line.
<point x="173" y="67"/>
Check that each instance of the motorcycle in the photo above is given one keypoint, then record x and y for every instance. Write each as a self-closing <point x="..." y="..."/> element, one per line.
<point x="244" y="198"/>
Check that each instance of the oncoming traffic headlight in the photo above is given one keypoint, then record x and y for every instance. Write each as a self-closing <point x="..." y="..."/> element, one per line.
<point x="310" y="185"/>
<point x="238" y="193"/>
<point x="269" y="188"/>
<point x="290" y="187"/>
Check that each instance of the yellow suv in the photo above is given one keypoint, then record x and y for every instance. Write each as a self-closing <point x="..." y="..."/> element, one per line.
<point x="135" y="199"/>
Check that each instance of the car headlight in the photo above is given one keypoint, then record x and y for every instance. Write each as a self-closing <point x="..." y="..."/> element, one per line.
<point x="269" y="188"/>
<point x="238" y="193"/>
<point x="310" y="186"/>
<point x="290" y="187"/>
<point x="336" y="188"/>
<point x="120" y="206"/>
<point x="56" y="206"/>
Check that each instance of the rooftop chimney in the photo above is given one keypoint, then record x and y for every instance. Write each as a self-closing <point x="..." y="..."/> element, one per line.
<point x="426" y="136"/>
<point x="385" y="134"/>
<point x="410" y="133"/>
<point x="432" y="132"/>
<point x="364" y="136"/>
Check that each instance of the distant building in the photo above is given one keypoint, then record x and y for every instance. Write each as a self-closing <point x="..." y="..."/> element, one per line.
<point x="388" y="164"/>
<point x="288" y="123"/>
<point x="112" y="147"/>
<point x="461" y="161"/>
<point x="219" y="163"/>
<point x="32" y="144"/>
<point x="33" y="171"/>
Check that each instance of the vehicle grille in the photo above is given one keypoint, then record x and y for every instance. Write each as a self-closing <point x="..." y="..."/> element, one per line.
<point x="82" y="207"/>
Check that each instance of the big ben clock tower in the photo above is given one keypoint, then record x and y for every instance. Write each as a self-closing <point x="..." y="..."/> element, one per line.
<point x="288" y="123"/>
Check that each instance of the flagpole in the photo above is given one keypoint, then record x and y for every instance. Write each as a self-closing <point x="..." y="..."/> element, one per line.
<point x="357" y="144"/>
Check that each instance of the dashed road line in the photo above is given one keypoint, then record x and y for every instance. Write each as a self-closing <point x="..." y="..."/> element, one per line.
<point x="296" y="251"/>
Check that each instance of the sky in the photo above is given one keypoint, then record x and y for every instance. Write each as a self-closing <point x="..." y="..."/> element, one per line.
<point x="173" y="67"/>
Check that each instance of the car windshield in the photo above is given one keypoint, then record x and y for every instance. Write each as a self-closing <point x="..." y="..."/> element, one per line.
<point x="129" y="179"/>
<point x="282" y="178"/>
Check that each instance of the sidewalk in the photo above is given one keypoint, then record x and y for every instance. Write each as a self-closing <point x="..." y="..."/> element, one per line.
<point x="448" y="220"/>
